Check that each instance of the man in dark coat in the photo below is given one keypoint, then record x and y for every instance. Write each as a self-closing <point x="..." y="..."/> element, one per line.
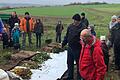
<point x="74" y="46"/>
<point x="84" y="19"/>
<point x="115" y="40"/>
<point x="59" y="29"/>
<point x="12" y="20"/>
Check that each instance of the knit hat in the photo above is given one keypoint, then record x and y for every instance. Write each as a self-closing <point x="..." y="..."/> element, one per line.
<point x="76" y="17"/>
<point x="16" y="24"/>
<point x="26" y="13"/>
<point x="102" y="38"/>
<point x="114" y="17"/>
<point x="82" y="14"/>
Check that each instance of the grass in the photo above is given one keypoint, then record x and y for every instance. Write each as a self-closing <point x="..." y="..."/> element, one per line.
<point x="61" y="10"/>
<point x="100" y="15"/>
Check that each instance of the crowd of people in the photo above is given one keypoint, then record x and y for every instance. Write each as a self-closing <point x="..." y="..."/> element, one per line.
<point x="90" y="54"/>
<point x="16" y="27"/>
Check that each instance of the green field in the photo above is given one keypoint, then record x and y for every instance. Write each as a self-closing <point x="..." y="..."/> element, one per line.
<point x="99" y="15"/>
<point x="69" y="10"/>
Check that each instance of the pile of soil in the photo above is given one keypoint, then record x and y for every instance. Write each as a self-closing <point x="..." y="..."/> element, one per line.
<point x="16" y="59"/>
<point x="52" y="47"/>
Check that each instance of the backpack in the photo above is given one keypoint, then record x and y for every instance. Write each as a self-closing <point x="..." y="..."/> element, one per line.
<point x="105" y="53"/>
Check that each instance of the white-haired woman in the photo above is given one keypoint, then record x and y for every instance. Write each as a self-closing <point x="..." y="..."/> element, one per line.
<point x="112" y="22"/>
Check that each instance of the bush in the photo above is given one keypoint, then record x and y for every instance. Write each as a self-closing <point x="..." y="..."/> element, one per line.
<point x="57" y="50"/>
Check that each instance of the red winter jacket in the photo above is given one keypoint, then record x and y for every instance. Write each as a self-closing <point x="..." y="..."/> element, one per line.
<point x="92" y="66"/>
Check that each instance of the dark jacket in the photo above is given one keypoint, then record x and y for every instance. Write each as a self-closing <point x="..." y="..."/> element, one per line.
<point x="73" y="36"/>
<point x="59" y="28"/>
<point x="105" y="52"/>
<point x="115" y="34"/>
<point x="85" y="21"/>
<point x="13" y="20"/>
<point x="5" y="38"/>
<point x="38" y="28"/>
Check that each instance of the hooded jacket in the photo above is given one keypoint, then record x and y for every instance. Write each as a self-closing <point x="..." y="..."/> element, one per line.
<point x="16" y="35"/>
<point x="92" y="66"/>
<point x="115" y="35"/>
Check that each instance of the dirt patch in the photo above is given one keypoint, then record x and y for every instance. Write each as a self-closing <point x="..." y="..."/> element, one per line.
<point x="16" y="59"/>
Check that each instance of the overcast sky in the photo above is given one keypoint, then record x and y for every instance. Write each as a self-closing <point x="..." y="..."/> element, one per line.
<point x="55" y="2"/>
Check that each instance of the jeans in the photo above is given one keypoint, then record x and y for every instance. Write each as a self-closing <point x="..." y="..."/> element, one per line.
<point x="58" y="37"/>
<point x="24" y="39"/>
<point x="73" y="55"/>
<point x="38" y="39"/>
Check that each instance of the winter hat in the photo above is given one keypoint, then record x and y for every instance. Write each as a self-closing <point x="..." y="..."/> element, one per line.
<point x="76" y="17"/>
<point x="102" y="38"/>
<point x="118" y="17"/>
<point x="114" y="17"/>
<point x="26" y="13"/>
<point x="82" y="14"/>
<point x="16" y="24"/>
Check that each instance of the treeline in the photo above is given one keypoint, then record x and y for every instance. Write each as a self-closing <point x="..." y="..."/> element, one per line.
<point x="89" y="3"/>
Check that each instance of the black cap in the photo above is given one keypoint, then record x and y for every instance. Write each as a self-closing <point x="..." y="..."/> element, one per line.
<point x="76" y="17"/>
<point x="82" y="14"/>
<point x="118" y="16"/>
<point x="26" y="13"/>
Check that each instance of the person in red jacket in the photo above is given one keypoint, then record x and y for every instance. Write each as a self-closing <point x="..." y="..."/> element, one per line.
<point x="91" y="63"/>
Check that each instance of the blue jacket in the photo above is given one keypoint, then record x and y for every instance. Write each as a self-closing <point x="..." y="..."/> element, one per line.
<point x="1" y="26"/>
<point x="16" y="35"/>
